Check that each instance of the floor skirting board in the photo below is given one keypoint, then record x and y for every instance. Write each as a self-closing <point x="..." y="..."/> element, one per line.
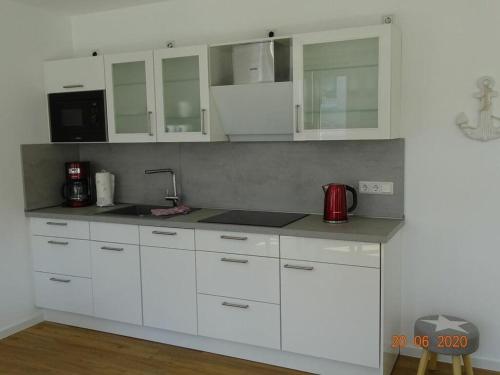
<point x="477" y="362"/>
<point x="21" y="325"/>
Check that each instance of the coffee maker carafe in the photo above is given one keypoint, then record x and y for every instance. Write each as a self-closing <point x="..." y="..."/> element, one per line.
<point x="77" y="190"/>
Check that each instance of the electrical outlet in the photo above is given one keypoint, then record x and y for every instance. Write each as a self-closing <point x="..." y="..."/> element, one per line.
<point x="374" y="187"/>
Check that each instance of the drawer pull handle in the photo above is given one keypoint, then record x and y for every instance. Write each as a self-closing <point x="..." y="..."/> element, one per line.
<point x="76" y="86"/>
<point x="59" y="280"/>
<point x="231" y="260"/>
<point x="237" y="305"/>
<point x="304" y="268"/>
<point x="55" y="223"/>
<point x="234" y="238"/>
<point x="164" y="233"/>
<point x="58" y="243"/>
<point x="112" y="248"/>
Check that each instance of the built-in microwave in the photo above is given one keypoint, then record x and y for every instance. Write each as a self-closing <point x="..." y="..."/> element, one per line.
<point x="78" y="116"/>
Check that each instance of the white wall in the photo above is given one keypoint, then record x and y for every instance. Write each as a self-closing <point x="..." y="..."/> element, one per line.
<point x="27" y="37"/>
<point x="452" y="239"/>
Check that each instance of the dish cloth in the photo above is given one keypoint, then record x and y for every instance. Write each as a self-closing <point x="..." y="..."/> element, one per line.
<point x="170" y="211"/>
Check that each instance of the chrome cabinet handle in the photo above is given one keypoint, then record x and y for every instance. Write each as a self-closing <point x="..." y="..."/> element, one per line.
<point x="231" y="260"/>
<point x="112" y="248"/>
<point x="59" y="224"/>
<point x="203" y="128"/>
<point x="304" y="268"/>
<point x="224" y="237"/>
<point x="79" y="85"/>
<point x="164" y="233"/>
<point x="57" y="242"/>
<point x="228" y="304"/>
<point x="59" y="280"/>
<point x="150" y="116"/>
<point x="297" y="120"/>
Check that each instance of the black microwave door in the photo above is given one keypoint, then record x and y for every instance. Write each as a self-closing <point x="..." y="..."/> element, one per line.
<point x="78" y="117"/>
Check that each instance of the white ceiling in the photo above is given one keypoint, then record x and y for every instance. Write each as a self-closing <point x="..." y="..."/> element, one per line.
<point x="74" y="7"/>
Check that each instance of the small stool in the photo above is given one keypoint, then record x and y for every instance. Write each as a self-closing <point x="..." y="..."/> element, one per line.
<point x="448" y="335"/>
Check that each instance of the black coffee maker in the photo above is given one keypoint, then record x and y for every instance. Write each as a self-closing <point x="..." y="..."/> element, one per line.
<point x="77" y="190"/>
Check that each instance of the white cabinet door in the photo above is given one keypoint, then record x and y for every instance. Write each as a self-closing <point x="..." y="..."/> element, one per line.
<point x="82" y="74"/>
<point x="182" y="94"/>
<point x="116" y="280"/>
<point x="169" y="289"/>
<point x="130" y="97"/>
<point x="331" y="311"/>
<point x="346" y="83"/>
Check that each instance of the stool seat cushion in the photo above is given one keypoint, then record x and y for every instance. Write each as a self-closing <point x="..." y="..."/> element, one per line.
<point x="446" y="334"/>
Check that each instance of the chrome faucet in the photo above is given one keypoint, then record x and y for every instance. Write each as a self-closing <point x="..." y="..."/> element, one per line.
<point x="173" y="198"/>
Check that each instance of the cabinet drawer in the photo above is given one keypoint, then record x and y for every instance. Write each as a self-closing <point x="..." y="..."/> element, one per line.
<point x="329" y="251"/>
<point x="64" y="293"/>
<point x="119" y="233"/>
<point x="116" y="280"/>
<point x="247" y="322"/>
<point x="238" y="243"/>
<point x="173" y="238"/>
<point x="82" y="74"/>
<point x="60" y="255"/>
<point x="238" y="276"/>
<point x="60" y="228"/>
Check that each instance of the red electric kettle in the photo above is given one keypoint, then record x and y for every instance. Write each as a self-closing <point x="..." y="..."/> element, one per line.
<point x="336" y="210"/>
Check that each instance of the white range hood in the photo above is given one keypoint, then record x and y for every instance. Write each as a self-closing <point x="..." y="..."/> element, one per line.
<point x="255" y="112"/>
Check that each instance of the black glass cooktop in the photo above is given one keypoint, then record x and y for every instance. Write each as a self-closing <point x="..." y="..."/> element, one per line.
<point x="254" y="218"/>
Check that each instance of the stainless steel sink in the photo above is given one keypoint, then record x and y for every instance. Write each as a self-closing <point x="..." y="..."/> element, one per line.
<point x="139" y="211"/>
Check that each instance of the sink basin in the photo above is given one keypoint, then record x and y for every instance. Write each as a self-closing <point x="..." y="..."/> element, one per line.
<point x="139" y="211"/>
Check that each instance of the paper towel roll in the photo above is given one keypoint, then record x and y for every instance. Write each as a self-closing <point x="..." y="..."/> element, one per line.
<point x="105" y="188"/>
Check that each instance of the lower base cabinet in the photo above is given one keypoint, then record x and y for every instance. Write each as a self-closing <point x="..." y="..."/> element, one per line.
<point x="65" y="293"/>
<point x="237" y="320"/>
<point x="116" y="280"/>
<point x="331" y="311"/>
<point x="169" y="289"/>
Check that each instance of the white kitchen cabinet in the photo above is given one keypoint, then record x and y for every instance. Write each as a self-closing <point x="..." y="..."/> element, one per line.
<point x="60" y="228"/>
<point x="64" y="293"/>
<point x="111" y="232"/>
<point x="60" y="255"/>
<point x="172" y="238"/>
<point x="346" y="83"/>
<point x="169" y="289"/>
<point x="81" y="74"/>
<point x="182" y="95"/>
<point x="247" y="322"/>
<point x="130" y="97"/>
<point x="116" y="281"/>
<point x="238" y="276"/>
<point x="238" y="243"/>
<point x="331" y="311"/>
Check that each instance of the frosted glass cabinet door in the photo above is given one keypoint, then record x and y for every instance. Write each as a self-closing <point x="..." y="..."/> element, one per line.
<point x="342" y="84"/>
<point x="130" y="97"/>
<point x="182" y="96"/>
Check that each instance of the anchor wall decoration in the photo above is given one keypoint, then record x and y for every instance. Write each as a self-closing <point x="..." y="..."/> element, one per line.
<point x="487" y="128"/>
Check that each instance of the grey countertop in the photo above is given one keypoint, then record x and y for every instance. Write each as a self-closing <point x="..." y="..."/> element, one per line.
<point x="358" y="228"/>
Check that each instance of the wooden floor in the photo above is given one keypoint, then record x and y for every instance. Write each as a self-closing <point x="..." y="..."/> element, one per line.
<point x="55" y="349"/>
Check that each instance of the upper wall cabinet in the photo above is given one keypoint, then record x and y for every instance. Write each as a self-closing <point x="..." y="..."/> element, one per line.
<point x="82" y="74"/>
<point x="130" y="97"/>
<point x="182" y="95"/>
<point x="346" y="84"/>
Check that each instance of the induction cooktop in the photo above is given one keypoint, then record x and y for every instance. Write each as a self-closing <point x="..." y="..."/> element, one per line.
<point x="254" y="218"/>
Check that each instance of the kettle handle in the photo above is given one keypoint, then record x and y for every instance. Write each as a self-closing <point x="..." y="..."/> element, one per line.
<point x="354" y="198"/>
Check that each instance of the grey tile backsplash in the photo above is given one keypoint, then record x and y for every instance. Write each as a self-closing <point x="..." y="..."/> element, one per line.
<point x="275" y="176"/>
